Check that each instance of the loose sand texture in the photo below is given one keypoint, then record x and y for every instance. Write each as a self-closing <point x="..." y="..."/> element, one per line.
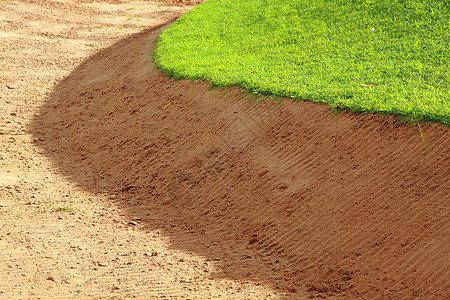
<point x="119" y="182"/>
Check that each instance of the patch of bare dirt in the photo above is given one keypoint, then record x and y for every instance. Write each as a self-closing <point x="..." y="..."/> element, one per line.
<point x="58" y="239"/>
<point x="120" y="182"/>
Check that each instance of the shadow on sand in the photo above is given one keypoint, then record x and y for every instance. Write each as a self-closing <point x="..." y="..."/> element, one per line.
<point x="279" y="194"/>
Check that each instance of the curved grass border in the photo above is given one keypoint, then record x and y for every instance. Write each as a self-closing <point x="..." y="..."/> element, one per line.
<point x="386" y="56"/>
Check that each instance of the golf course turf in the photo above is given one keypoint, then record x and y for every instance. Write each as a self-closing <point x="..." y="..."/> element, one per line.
<point x="387" y="56"/>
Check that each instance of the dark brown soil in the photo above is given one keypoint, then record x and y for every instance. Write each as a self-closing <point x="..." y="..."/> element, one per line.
<point x="282" y="194"/>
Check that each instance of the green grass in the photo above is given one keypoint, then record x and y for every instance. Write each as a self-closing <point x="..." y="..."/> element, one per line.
<point x="321" y="50"/>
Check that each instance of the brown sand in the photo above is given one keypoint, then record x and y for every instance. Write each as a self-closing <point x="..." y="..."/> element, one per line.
<point x="181" y="191"/>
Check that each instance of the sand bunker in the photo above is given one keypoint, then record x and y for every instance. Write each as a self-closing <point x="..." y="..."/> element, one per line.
<point x="294" y="198"/>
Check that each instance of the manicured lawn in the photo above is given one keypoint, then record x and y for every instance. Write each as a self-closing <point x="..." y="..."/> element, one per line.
<point x="388" y="56"/>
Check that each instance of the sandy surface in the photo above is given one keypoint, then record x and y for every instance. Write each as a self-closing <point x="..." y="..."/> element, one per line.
<point x="58" y="239"/>
<point x="117" y="182"/>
